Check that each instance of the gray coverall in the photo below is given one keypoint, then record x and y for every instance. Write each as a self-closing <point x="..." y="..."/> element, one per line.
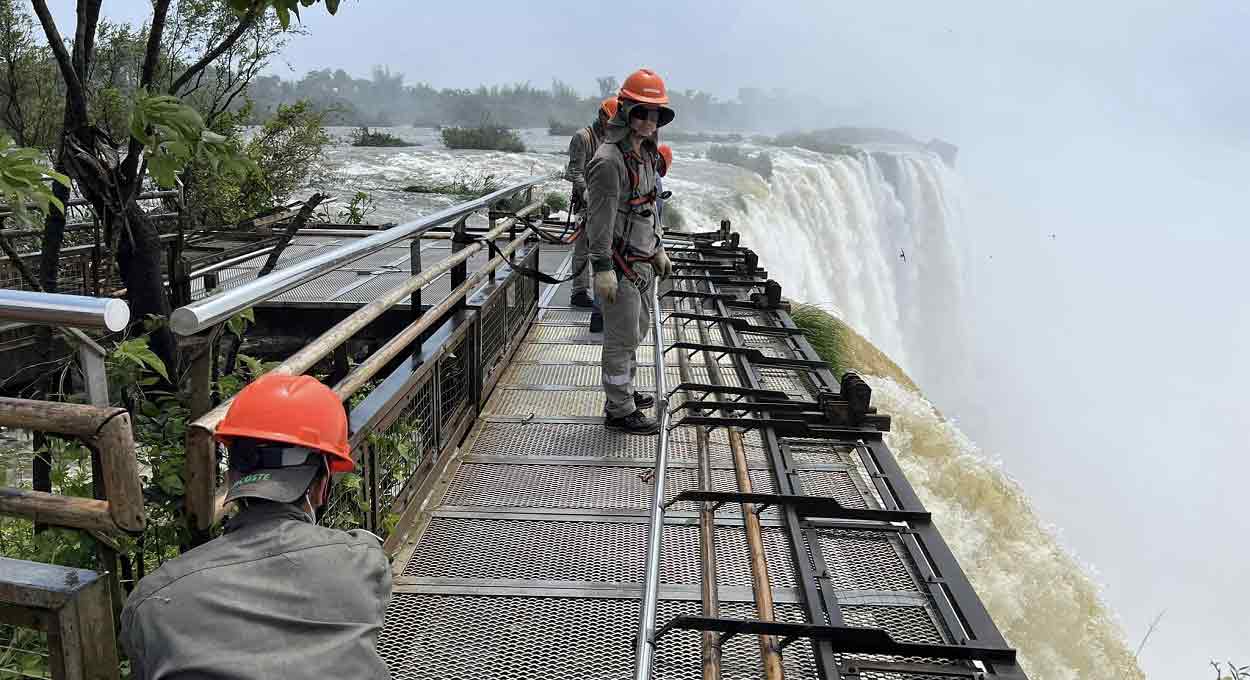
<point x="609" y="216"/>
<point x="582" y="148"/>
<point x="275" y="597"/>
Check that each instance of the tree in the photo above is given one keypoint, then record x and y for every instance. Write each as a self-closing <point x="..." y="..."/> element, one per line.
<point x="29" y="100"/>
<point x="164" y="135"/>
<point x="608" y="86"/>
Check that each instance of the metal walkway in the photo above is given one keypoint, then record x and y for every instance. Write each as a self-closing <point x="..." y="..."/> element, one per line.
<point x="527" y="558"/>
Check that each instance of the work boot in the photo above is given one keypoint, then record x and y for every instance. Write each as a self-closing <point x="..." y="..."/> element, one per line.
<point x="643" y="400"/>
<point x="634" y="423"/>
<point x="596" y="322"/>
<point x="581" y="298"/>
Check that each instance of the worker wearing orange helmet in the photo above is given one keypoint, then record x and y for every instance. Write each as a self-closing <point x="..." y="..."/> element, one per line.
<point x="275" y="595"/>
<point x="626" y="252"/>
<point x="582" y="148"/>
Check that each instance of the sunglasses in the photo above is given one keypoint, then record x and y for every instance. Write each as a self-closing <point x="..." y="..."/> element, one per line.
<point x="646" y="113"/>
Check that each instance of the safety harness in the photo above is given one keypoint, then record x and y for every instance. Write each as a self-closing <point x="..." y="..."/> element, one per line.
<point x="637" y="205"/>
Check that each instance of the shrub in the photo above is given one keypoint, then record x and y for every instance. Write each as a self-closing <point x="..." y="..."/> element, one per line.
<point x="289" y="151"/>
<point x="820" y="141"/>
<point x="760" y="163"/>
<point x="463" y="184"/>
<point x="557" y="128"/>
<point x="363" y="136"/>
<point x="556" y="202"/>
<point x="486" y="136"/>
<point x="676" y="136"/>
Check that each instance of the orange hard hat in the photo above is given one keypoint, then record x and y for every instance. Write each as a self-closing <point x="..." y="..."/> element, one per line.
<point x="608" y="107"/>
<point x="291" y="409"/>
<point x="644" y="86"/>
<point x="666" y="152"/>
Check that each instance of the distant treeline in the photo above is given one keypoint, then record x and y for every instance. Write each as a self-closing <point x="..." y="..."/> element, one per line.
<point x="384" y="99"/>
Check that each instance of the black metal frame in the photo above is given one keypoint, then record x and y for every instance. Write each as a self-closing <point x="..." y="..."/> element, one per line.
<point x="779" y="417"/>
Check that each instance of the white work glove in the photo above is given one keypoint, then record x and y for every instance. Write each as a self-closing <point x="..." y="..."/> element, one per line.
<point x="605" y="286"/>
<point x="663" y="265"/>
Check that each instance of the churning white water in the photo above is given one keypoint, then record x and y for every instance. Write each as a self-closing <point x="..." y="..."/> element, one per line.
<point x="877" y="238"/>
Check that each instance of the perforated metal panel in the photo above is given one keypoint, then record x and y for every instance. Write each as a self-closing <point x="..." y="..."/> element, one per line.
<point x="548" y="439"/>
<point x="867" y="560"/>
<point x="565" y="316"/>
<point x="579" y="375"/>
<point x="564" y="334"/>
<point x="320" y="288"/>
<point x="837" y="484"/>
<point x="582" y="486"/>
<point x="515" y="402"/>
<point x="584" y="551"/>
<point x="556" y="638"/>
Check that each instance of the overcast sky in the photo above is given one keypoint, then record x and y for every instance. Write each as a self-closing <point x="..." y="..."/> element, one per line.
<point x="1112" y="359"/>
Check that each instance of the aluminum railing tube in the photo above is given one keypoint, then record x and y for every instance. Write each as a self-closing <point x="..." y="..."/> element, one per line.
<point x="66" y="311"/>
<point x="215" y="309"/>
<point x="644" y="647"/>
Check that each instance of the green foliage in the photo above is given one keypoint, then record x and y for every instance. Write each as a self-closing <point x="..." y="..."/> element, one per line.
<point x="136" y="351"/>
<point x="24" y="182"/>
<point x="358" y="209"/>
<point x="823" y="332"/>
<point x="556" y="202"/>
<point x="363" y="136"/>
<point x="283" y="8"/>
<point x="173" y="134"/>
<point x="557" y="128"/>
<point x="462" y="184"/>
<point x="288" y="151"/>
<point x="760" y="163"/>
<point x="486" y="136"/>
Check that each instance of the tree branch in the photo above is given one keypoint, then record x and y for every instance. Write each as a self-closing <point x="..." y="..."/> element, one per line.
<point x="57" y="44"/>
<point x="160" y="10"/>
<point x="244" y="24"/>
<point x="84" y="37"/>
<point x="134" y="150"/>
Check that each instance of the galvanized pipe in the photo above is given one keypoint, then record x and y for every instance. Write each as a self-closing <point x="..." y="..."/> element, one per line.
<point x="202" y="314"/>
<point x="66" y="311"/>
<point x="644" y="646"/>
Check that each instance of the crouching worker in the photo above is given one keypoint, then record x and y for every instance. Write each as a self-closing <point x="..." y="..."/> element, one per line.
<point x="626" y="252"/>
<point x="276" y="596"/>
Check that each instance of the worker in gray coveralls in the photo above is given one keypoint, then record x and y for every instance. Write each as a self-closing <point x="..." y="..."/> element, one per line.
<point x="276" y="596"/>
<point x="626" y="252"/>
<point x="582" y="148"/>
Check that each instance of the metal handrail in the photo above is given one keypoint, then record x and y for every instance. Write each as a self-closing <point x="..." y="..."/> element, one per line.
<point x="66" y="311"/>
<point x="644" y="647"/>
<point x="212" y="310"/>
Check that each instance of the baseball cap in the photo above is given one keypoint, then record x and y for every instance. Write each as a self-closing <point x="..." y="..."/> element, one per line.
<point x="272" y="471"/>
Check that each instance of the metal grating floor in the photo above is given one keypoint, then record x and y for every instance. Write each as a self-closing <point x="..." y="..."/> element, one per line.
<point x="527" y="558"/>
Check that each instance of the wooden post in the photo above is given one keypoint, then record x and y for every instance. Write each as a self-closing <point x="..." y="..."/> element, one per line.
<point x="74" y="607"/>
